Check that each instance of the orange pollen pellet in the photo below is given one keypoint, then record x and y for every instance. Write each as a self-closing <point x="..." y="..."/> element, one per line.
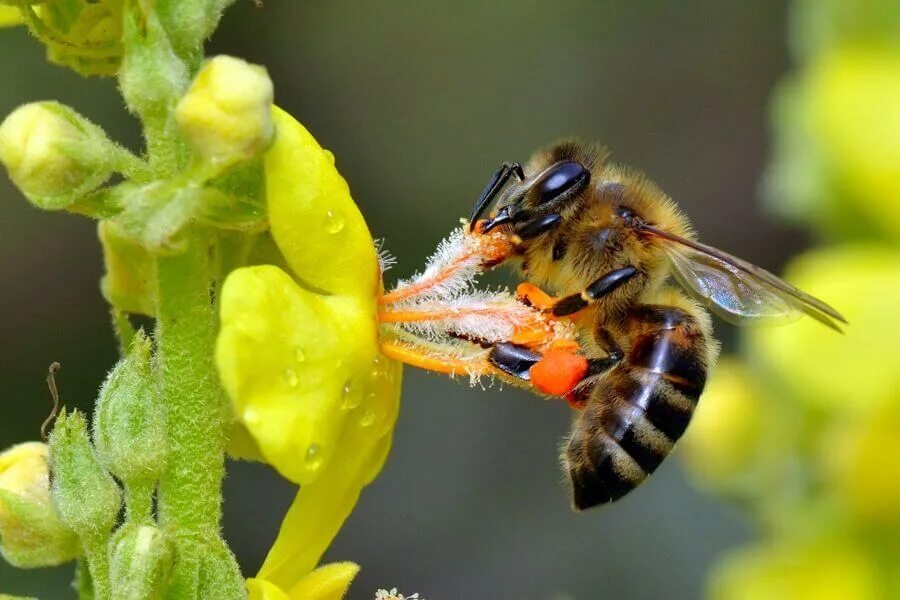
<point x="558" y="372"/>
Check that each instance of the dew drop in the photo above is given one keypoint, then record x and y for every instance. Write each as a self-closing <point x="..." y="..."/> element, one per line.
<point x="334" y="221"/>
<point x="299" y="354"/>
<point x="290" y="377"/>
<point x="328" y="155"/>
<point x="251" y="417"/>
<point x="367" y="418"/>
<point x="313" y="456"/>
<point x="351" y="396"/>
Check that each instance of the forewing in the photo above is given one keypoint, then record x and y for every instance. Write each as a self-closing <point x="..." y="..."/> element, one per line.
<point x="738" y="291"/>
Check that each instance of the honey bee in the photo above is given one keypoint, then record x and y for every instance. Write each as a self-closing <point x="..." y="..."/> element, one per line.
<point x="606" y="240"/>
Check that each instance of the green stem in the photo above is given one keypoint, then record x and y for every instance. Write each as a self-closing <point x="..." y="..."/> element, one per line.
<point x="139" y="502"/>
<point x="98" y="566"/>
<point x="190" y="489"/>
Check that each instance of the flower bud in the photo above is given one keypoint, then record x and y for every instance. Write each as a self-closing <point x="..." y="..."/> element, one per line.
<point x="31" y="533"/>
<point x="54" y="155"/>
<point x="226" y="112"/>
<point x="86" y="496"/>
<point x="129" y="428"/>
<point x="140" y="562"/>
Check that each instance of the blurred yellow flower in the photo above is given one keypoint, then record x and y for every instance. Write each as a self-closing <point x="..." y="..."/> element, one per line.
<point x="853" y="373"/>
<point x="725" y="432"/>
<point x="862" y="465"/>
<point x="853" y="96"/>
<point x="10" y="15"/>
<point x="298" y="356"/>
<point x="827" y="571"/>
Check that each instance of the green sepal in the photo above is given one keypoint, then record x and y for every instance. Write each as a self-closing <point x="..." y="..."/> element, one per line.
<point x="129" y="424"/>
<point x="141" y="558"/>
<point x="57" y="157"/>
<point x="85" y="495"/>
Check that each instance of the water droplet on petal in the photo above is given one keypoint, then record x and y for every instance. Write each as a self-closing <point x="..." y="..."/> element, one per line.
<point x="251" y="417"/>
<point x="313" y="456"/>
<point x="328" y="155"/>
<point x="290" y="377"/>
<point x="368" y="417"/>
<point x="299" y="354"/>
<point x="334" y="221"/>
<point x="351" y="396"/>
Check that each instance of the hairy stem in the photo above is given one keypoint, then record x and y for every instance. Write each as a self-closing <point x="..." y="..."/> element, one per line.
<point x="98" y="566"/>
<point x="139" y="502"/>
<point x="190" y="489"/>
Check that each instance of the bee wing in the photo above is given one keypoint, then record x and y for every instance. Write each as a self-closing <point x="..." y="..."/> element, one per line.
<point x="736" y="290"/>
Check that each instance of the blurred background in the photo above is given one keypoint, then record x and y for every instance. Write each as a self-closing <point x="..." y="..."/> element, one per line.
<point x="420" y="102"/>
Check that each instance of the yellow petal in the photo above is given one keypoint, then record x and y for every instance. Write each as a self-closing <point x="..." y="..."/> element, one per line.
<point x="260" y="589"/>
<point x="321" y="508"/>
<point x="328" y="582"/>
<point x="286" y="357"/>
<point x="314" y="221"/>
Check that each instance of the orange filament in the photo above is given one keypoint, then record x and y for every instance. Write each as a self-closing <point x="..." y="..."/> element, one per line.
<point x="449" y="366"/>
<point x="489" y="249"/>
<point x="411" y="316"/>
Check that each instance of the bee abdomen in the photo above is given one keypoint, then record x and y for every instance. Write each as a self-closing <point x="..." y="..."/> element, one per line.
<point x="636" y="415"/>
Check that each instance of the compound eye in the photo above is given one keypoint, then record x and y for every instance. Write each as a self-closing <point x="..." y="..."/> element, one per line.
<point x="562" y="178"/>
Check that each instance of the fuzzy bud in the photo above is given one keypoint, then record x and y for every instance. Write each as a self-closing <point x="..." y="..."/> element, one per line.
<point x="140" y="562"/>
<point x="31" y="533"/>
<point x="54" y="155"/>
<point x="86" y="496"/>
<point x="129" y="428"/>
<point x="226" y="112"/>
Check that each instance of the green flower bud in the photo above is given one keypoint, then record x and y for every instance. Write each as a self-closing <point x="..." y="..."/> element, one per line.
<point x="86" y="496"/>
<point x="31" y="533"/>
<point x="225" y="114"/>
<point x="140" y="562"/>
<point x="54" y="155"/>
<point x="129" y="428"/>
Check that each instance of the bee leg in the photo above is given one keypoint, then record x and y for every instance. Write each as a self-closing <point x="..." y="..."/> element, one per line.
<point x="513" y="359"/>
<point x="498" y="180"/>
<point x="535" y="227"/>
<point x="614" y="353"/>
<point x="595" y="291"/>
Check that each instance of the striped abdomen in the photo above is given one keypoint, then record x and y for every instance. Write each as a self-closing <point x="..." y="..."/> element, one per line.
<point x="637" y="412"/>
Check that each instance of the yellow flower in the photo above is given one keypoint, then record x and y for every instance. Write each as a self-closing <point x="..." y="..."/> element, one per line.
<point x="31" y="533"/>
<point x="10" y="15"/>
<point x="851" y="373"/>
<point x="862" y="464"/>
<point x="328" y="582"/>
<point x="853" y="98"/>
<point x="834" y="570"/>
<point x="724" y="435"/>
<point x="298" y="356"/>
